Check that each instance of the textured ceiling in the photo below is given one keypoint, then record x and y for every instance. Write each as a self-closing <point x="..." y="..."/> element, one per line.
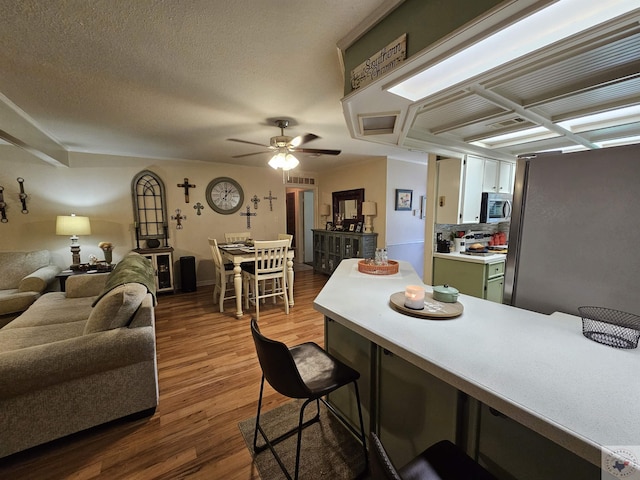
<point x="175" y="79"/>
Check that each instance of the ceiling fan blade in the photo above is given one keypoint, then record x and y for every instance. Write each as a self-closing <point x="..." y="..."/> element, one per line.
<point x="300" y="139"/>
<point x="249" y="154"/>
<point x="318" y="150"/>
<point x="245" y="141"/>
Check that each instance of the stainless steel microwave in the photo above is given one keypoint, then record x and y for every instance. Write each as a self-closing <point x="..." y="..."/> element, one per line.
<point x="495" y="207"/>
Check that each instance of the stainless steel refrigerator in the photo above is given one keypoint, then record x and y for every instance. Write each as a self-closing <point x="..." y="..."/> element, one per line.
<point x="574" y="238"/>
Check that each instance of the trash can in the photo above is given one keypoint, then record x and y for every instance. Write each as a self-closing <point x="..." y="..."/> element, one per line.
<point x="188" y="274"/>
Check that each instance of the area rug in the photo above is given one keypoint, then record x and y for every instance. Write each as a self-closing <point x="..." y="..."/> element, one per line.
<point x="329" y="449"/>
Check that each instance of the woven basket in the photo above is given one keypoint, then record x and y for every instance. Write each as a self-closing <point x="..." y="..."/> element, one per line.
<point x="389" y="269"/>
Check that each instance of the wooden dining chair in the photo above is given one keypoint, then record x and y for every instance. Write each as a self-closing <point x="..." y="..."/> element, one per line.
<point x="237" y="237"/>
<point x="223" y="289"/>
<point x="270" y="264"/>
<point x="287" y="236"/>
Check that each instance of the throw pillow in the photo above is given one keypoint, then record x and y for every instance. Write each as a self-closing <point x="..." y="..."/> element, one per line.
<point x="116" y="308"/>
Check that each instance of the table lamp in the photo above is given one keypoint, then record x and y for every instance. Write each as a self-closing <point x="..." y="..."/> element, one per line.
<point x="368" y="210"/>
<point x="325" y="210"/>
<point x="73" y="225"/>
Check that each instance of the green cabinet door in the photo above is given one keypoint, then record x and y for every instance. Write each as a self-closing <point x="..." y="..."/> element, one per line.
<point x="356" y="351"/>
<point x="482" y="280"/>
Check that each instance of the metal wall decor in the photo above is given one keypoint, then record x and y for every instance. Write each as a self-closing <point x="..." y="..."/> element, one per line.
<point x="198" y="206"/>
<point x="3" y="206"/>
<point x="178" y="217"/>
<point x="248" y="215"/>
<point x="22" y="196"/>
<point x="270" y="198"/>
<point x="255" y="201"/>
<point x="149" y="206"/>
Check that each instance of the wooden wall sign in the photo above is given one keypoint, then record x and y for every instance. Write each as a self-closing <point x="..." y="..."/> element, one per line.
<point x="387" y="59"/>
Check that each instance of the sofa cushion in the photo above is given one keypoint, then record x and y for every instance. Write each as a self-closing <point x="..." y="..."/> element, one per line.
<point x="17" y="265"/>
<point x="17" y="338"/>
<point x="39" y="280"/>
<point x="12" y="301"/>
<point x="53" y="308"/>
<point x="87" y="285"/>
<point x="116" y="308"/>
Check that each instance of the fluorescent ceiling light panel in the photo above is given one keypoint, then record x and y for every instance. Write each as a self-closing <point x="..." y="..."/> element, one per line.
<point x="545" y="27"/>
<point x="611" y="118"/>
<point x="619" y="142"/>
<point x="515" y="138"/>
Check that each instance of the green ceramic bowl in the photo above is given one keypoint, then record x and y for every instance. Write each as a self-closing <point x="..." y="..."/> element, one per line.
<point x="445" y="294"/>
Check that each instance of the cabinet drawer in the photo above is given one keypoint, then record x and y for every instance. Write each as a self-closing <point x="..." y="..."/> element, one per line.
<point x="495" y="269"/>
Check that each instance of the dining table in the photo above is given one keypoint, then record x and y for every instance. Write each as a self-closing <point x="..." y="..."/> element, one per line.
<point x="239" y="253"/>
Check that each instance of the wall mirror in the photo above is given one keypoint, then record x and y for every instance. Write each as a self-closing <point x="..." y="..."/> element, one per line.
<point x="149" y="205"/>
<point x="348" y="204"/>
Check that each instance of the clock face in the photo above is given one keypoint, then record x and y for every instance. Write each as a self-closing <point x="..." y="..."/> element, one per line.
<point x="225" y="195"/>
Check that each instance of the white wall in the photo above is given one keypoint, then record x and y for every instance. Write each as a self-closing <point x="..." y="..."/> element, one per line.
<point x="99" y="186"/>
<point x="405" y="229"/>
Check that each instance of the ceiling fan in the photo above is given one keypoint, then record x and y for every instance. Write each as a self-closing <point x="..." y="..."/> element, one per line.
<point x="284" y="146"/>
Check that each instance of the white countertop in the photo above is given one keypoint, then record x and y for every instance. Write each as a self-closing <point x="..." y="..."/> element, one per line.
<point x="537" y="369"/>
<point x="497" y="257"/>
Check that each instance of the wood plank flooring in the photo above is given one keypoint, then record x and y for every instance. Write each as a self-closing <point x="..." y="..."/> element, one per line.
<point x="209" y="381"/>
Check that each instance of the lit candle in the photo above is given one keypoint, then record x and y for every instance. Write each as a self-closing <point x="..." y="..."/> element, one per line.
<point x="414" y="297"/>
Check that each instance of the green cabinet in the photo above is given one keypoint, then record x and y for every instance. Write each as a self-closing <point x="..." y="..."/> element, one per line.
<point x="330" y="247"/>
<point x="357" y="352"/>
<point x="409" y="408"/>
<point x="483" y="280"/>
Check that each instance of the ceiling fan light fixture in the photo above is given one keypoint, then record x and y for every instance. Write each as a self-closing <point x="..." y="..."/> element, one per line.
<point x="277" y="161"/>
<point x="290" y="162"/>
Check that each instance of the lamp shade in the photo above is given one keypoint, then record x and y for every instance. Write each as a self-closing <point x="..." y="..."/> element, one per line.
<point x="72" y="225"/>
<point x="368" y="208"/>
<point x="325" y="210"/>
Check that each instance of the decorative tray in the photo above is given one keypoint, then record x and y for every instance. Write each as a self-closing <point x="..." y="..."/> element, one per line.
<point x="372" y="269"/>
<point x="433" y="309"/>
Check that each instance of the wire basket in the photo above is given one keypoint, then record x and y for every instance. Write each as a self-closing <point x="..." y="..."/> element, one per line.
<point x="610" y="327"/>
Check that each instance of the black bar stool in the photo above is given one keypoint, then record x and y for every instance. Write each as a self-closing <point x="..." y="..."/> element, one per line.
<point x="441" y="461"/>
<point x="303" y="371"/>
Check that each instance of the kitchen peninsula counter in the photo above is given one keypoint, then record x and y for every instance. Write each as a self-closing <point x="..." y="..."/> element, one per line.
<point x="537" y="369"/>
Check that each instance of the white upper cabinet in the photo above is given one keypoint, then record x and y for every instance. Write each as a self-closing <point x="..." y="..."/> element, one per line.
<point x="498" y="176"/>
<point x="507" y="176"/>
<point x="491" y="174"/>
<point x="459" y="190"/>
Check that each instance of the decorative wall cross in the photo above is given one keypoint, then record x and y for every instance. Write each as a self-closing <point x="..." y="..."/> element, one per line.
<point x="186" y="185"/>
<point x="23" y="196"/>
<point x="198" y="206"/>
<point x="270" y="198"/>
<point x="3" y="206"/>
<point x="179" y="217"/>
<point x="255" y="201"/>
<point x="248" y="215"/>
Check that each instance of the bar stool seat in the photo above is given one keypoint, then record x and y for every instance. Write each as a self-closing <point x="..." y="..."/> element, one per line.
<point x="441" y="461"/>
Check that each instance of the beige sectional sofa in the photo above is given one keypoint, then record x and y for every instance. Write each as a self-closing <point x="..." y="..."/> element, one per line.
<point x="23" y="277"/>
<point x="67" y="365"/>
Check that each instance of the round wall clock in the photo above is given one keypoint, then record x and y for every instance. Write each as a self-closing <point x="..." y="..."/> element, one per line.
<point x="225" y="195"/>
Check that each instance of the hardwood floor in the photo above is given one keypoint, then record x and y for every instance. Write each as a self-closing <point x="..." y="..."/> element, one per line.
<point x="209" y="381"/>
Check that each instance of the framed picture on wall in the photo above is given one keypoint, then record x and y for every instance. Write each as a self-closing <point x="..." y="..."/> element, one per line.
<point x="403" y="199"/>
